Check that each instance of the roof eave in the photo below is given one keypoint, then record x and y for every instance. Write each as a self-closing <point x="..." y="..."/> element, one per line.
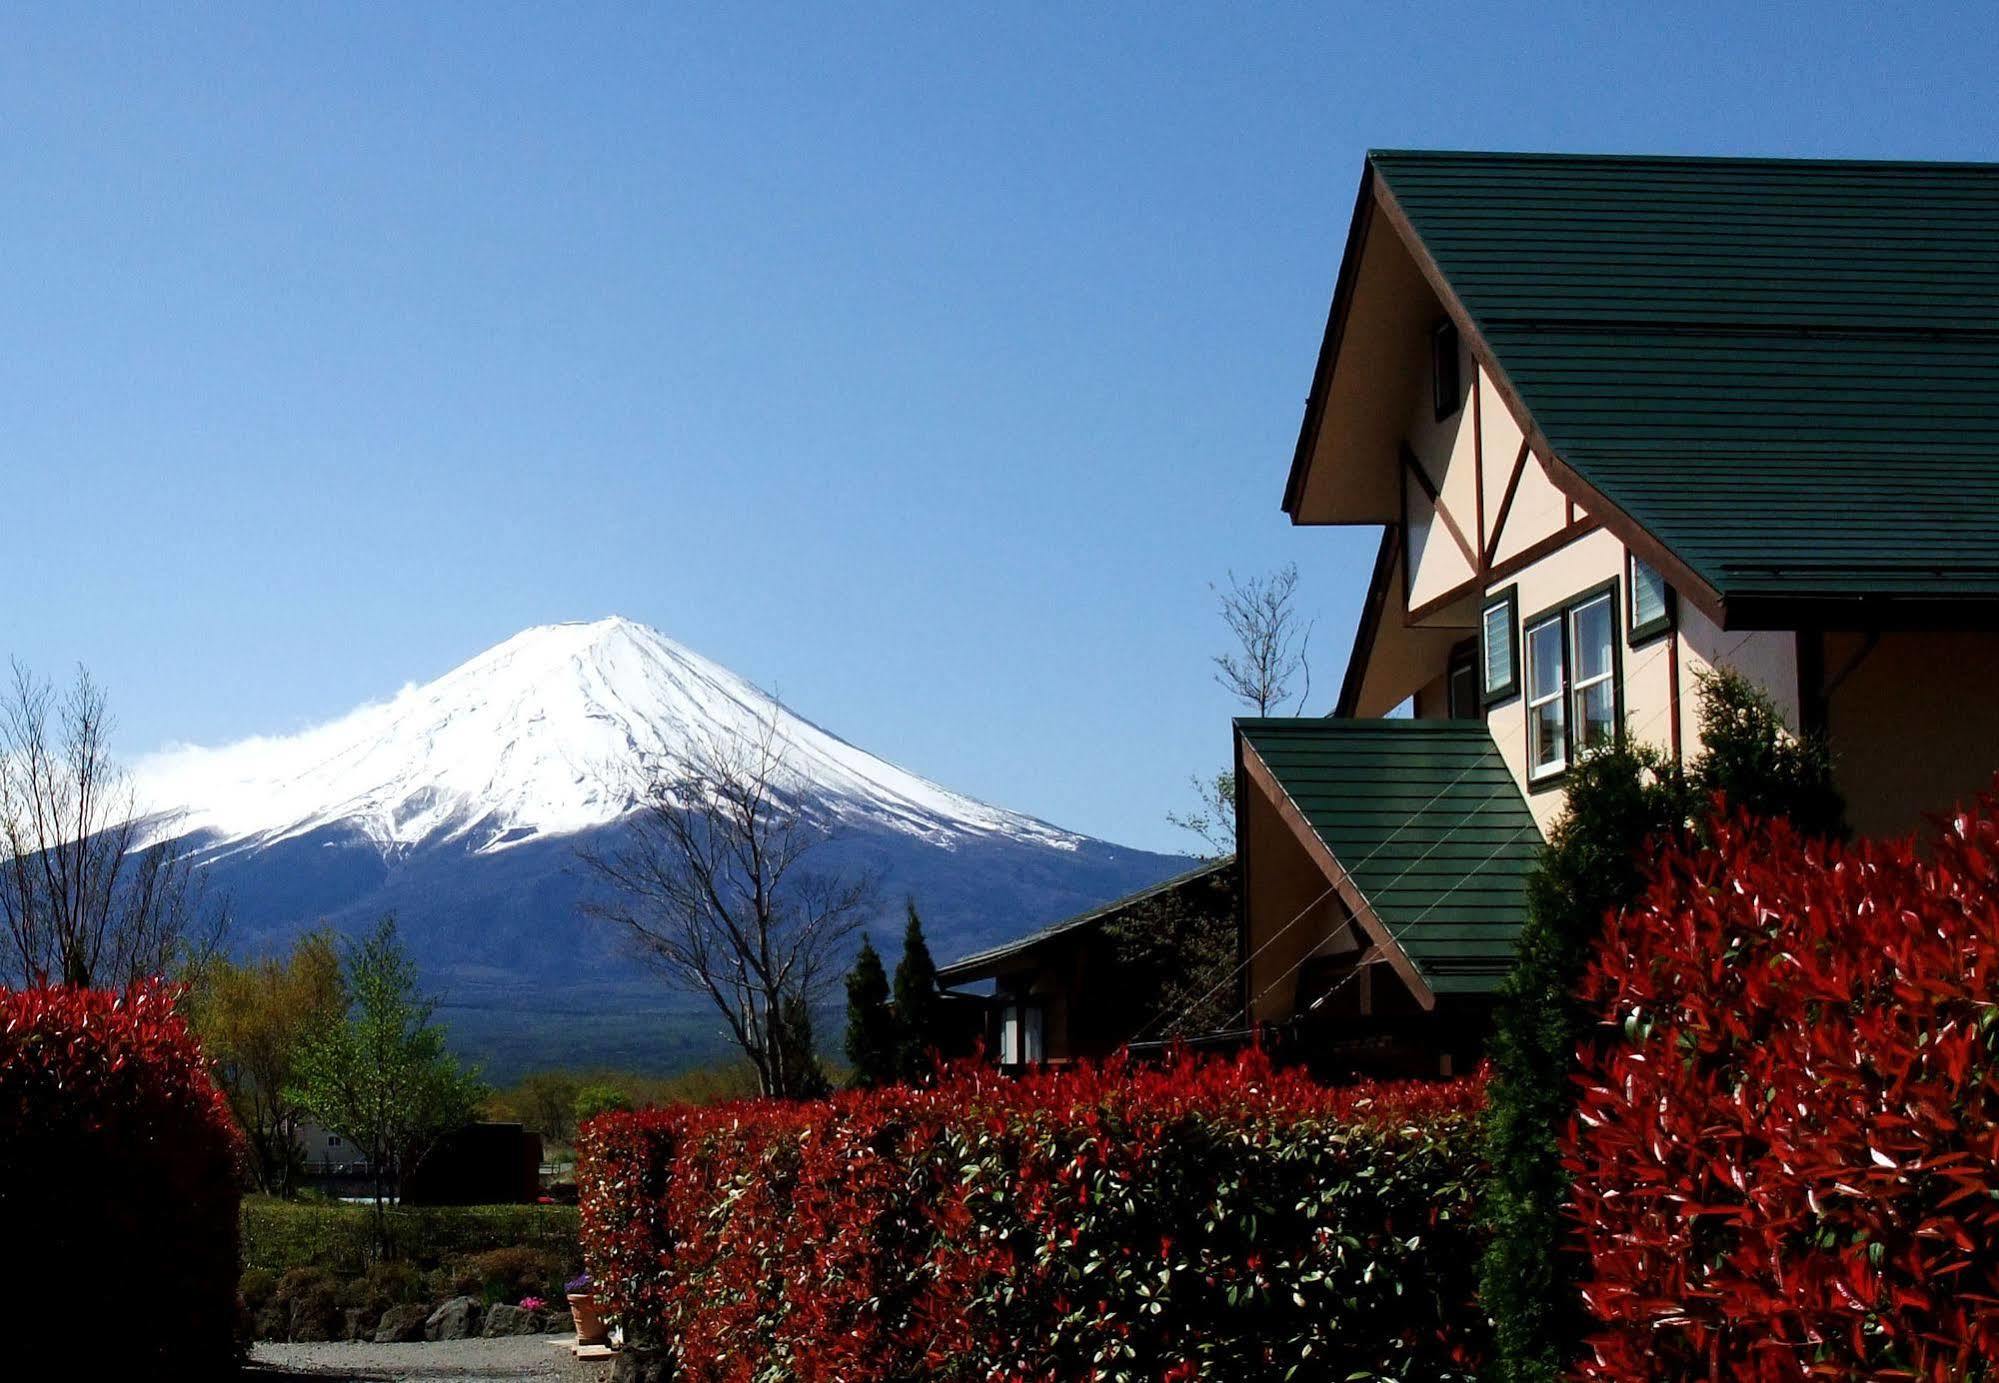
<point x="1329" y="347"/>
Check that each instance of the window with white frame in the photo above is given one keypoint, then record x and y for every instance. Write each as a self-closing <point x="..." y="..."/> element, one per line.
<point x="1499" y="675"/>
<point x="1547" y="735"/>
<point x="1021" y="1034"/>
<point x="1572" y="692"/>
<point x="1650" y="600"/>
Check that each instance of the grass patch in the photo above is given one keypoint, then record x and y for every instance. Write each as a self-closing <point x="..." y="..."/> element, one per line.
<point x="281" y="1235"/>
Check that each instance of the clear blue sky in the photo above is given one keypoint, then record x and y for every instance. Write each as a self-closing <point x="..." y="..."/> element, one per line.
<point x="922" y="364"/>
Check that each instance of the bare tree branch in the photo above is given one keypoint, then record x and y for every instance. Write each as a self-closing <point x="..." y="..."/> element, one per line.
<point x="1272" y="645"/>
<point x="82" y="903"/>
<point x="711" y="886"/>
<point x="1273" y="649"/>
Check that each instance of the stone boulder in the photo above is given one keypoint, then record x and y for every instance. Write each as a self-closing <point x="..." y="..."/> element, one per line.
<point x="400" y="1325"/>
<point x="640" y="1366"/>
<point x="503" y="1319"/>
<point x="457" y="1319"/>
<point x="360" y="1323"/>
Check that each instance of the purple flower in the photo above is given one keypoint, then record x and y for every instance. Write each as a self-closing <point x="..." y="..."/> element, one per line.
<point x="579" y="1284"/>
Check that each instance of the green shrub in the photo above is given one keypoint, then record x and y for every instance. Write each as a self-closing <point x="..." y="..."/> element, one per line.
<point x="307" y="1302"/>
<point x="508" y="1275"/>
<point x="383" y="1285"/>
<point x="340" y="1238"/>
<point x="257" y="1287"/>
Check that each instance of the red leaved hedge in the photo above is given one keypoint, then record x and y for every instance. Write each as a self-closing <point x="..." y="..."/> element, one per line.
<point x="1787" y="1155"/>
<point x="118" y="1188"/>
<point x="1215" y="1220"/>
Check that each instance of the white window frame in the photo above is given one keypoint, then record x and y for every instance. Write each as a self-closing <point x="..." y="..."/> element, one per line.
<point x="1508" y="601"/>
<point x="1575" y="719"/>
<point x="1537" y="697"/>
<point x="1568" y="692"/>
<point x="1644" y="631"/>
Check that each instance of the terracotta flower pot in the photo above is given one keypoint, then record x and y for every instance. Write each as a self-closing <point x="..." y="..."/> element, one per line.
<point x="590" y="1327"/>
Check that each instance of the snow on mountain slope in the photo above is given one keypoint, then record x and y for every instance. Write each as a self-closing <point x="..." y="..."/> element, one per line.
<point x="536" y="737"/>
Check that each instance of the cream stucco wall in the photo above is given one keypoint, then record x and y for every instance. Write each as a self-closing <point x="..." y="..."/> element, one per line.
<point x="1447" y="450"/>
<point x="1647" y="673"/>
<point x="1292" y="914"/>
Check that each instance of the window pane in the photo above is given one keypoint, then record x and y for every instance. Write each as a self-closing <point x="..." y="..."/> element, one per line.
<point x="1498" y="648"/>
<point x="1544" y="659"/>
<point x="1596" y="714"/>
<point x="1010" y="1037"/>
<point x="1648" y="594"/>
<point x="1546" y="747"/>
<point x="1595" y="629"/>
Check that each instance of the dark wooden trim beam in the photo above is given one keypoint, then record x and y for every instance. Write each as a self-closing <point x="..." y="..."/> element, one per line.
<point x="1478" y="458"/>
<point x="1534" y="552"/>
<point x="1414" y="466"/>
<point x="1342" y="883"/>
<point x="1506" y="503"/>
<point x="1526" y="557"/>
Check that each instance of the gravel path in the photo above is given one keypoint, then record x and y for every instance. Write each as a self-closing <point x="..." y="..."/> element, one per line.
<point x="526" y="1356"/>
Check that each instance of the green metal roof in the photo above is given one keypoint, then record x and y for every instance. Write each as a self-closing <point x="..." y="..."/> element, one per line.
<point x="1428" y="822"/>
<point x="984" y="964"/>
<point x="1785" y="371"/>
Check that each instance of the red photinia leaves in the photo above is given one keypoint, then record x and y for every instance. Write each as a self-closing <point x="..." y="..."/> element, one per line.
<point x="1214" y="1219"/>
<point x="118" y="1180"/>
<point x="1786" y="1155"/>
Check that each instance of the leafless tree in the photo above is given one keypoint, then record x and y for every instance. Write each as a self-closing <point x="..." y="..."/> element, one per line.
<point x="1272" y="644"/>
<point x="711" y="885"/>
<point x="1273" y="647"/>
<point x="1212" y="817"/>
<point x="83" y="903"/>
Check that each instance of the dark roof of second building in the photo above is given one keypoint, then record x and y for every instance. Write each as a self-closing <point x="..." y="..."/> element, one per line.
<point x="982" y="964"/>
<point x="1785" y="371"/>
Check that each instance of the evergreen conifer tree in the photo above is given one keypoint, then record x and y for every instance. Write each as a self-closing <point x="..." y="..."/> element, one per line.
<point x="1618" y="799"/>
<point x="919" y="1013"/>
<point x="873" y="1039"/>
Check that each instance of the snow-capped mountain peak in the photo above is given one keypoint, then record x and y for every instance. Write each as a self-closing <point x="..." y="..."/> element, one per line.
<point x="540" y="735"/>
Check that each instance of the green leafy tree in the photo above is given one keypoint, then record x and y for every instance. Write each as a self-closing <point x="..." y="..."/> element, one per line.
<point x="872" y="1038"/>
<point x="1619" y="798"/>
<point x="380" y="1075"/>
<point x="919" y="1011"/>
<point x="544" y="1101"/>
<point x="600" y="1097"/>
<point x="253" y="1019"/>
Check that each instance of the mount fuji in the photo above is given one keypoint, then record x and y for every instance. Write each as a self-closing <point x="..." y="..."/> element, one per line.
<point x="460" y="805"/>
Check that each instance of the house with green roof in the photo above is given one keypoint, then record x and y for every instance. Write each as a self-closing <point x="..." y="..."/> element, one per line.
<point x="1619" y="421"/>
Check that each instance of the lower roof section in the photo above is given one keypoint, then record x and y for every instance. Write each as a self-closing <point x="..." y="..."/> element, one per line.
<point x="1420" y="820"/>
<point x="1012" y="955"/>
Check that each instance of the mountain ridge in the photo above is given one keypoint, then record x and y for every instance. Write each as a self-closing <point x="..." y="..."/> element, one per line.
<point x="459" y="804"/>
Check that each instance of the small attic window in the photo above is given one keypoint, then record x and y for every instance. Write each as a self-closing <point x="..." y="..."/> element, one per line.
<point x="1444" y="384"/>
